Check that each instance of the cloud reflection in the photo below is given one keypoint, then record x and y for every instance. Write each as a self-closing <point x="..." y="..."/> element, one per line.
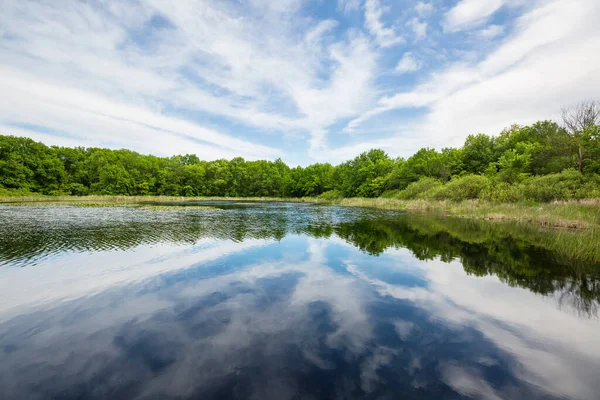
<point x="288" y="323"/>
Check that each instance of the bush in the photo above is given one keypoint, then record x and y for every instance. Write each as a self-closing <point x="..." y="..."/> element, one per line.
<point x="331" y="195"/>
<point x="16" y="192"/>
<point x="591" y="189"/>
<point x="502" y="192"/>
<point x="419" y="189"/>
<point x="465" y="187"/>
<point x="390" y="194"/>
<point x="566" y="185"/>
<point x="76" y="189"/>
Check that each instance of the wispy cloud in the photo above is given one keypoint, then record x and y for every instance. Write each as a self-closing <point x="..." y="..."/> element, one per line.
<point x="384" y="36"/>
<point x="491" y="31"/>
<point x="264" y="79"/>
<point x="475" y="97"/>
<point x="469" y="13"/>
<point x="407" y="64"/>
<point x="423" y="9"/>
<point x="348" y="5"/>
<point x="418" y="27"/>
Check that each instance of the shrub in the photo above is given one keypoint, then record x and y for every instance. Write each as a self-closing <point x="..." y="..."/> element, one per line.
<point x="465" y="187"/>
<point x="502" y="192"/>
<point x="331" y="195"/>
<point x="16" y="192"/>
<point x="566" y="185"/>
<point x="56" y="192"/>
<point x="390" y="194"/>
<point x="76" y="189"/>
<point x="590" y="189"/>
<point x="418" y="189"/>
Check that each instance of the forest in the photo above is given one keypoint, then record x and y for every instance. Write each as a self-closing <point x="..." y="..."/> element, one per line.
<point x="542" y="162"/>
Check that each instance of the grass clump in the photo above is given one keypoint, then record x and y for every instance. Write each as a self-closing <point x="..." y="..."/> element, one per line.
<point x="176" y="207"/>
<point x="331" y="195"/>
<point x="90" y="204"/>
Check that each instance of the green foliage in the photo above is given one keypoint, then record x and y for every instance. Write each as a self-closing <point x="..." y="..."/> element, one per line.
<point x="478" y="152"/>
<point x="567" y="185"/>
<point x="76" y="189"/>
<point x="523" y="163"/>
<point x="365" y="175"/>
<point x="332" y="195"/>
<point x="420" y="189"/>
<point x="466" y="187"/>
<point x="424" y="163"/>
<point x="592" y="143"/>
<point x="310" y="181"/>
<point x="390" y="194"/>
<point x="452" y="163"/>
<point x="501" y="192"/>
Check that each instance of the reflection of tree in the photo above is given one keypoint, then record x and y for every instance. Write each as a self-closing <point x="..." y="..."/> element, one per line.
<point x="117" y="229"/>
<point x="581" y="296"/>
<point x="505" y="251"/>
<point x="519" y="256"/>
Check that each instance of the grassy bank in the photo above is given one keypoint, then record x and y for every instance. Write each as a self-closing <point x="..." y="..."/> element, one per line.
<point x="568" y="229"/>
<point x="572" y="214"/>
<point x="584" y="214"/>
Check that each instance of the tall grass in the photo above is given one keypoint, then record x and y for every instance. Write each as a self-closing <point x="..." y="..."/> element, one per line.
<point x="566" y="214"/>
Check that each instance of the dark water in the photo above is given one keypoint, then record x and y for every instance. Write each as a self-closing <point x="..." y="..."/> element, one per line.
<point x="288" y="301"/>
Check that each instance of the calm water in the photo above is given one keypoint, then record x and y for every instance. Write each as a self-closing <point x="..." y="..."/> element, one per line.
<point x="287" y="301"/>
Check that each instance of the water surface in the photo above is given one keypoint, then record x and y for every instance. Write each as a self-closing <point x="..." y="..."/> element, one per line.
<point x="288" y="301"/>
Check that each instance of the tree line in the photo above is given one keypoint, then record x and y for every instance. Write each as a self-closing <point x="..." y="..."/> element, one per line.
<point x="543" y="161"/>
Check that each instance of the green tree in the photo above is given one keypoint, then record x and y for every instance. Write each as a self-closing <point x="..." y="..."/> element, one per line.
<point x="478" y="152"/>
<point x="581" y="123"/>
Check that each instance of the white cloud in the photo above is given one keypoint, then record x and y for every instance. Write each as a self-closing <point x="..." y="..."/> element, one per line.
<point x="469" y="13"/>
<point x="538" y="335"/>
<point x="526" y="330"/>
<point x="261" y="66"/>
<point x="348" y="5"/>
<point x="385" y="37"/>
<point x="548" y="62"/>
<point x="418" y="27"/>
<point x="422" y="8"/>
<point x="468" y="383"/>
<point x="54" y="281"/>
<point x="491" y="31"/>
<point x="407" y="64"/>
<point x="228" y="78"/>
<point x="98" y="120"/>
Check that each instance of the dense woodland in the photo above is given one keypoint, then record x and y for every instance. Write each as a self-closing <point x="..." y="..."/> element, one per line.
<point x="542" y="162"/>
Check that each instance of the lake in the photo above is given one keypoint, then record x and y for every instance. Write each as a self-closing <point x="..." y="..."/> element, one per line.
<point x="250" y="300"/>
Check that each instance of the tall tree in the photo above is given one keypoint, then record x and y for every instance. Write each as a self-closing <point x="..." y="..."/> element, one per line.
<point x="581" y="122"/>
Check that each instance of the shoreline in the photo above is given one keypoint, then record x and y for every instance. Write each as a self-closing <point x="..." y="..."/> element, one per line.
<point x="570" y="229"/>
<point x="582" y="214"/>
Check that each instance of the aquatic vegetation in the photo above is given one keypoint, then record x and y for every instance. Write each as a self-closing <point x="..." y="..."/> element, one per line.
<point x="175" y="207"/>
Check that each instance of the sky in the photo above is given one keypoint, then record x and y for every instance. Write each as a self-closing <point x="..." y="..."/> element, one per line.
<point x="302" y="80"/>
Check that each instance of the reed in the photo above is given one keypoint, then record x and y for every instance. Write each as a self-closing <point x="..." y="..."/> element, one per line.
<point x="571" y="214"/>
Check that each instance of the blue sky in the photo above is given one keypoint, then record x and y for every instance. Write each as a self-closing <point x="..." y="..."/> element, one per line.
<point x="304" y="80"/>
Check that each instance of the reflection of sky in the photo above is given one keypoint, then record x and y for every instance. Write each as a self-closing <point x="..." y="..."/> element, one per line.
<point x="264" y="319"/>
